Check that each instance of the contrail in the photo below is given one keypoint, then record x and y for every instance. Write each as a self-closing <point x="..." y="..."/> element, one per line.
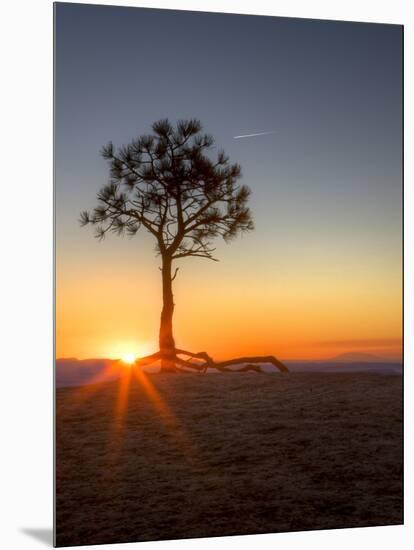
<point x="254" y="135"/>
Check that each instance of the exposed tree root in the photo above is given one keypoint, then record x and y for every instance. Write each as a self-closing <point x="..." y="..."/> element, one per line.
<point x="148" y="359"/>
<point x="259" y="359"/>
<point x="204" y="361"/>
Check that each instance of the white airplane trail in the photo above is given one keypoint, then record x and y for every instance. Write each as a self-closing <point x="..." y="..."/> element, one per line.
<point x="254" y="135"/>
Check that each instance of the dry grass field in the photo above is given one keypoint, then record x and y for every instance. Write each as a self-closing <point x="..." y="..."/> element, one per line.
<point x="168" y="456"/>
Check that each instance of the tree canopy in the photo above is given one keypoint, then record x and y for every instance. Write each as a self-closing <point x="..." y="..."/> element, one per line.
<point x="168" y="183"/>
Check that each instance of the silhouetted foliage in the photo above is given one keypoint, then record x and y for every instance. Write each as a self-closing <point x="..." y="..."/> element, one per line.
<point x="167" y="183"/>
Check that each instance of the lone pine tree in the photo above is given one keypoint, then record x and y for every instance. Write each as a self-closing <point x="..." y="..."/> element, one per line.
<point x="168" y="184"/>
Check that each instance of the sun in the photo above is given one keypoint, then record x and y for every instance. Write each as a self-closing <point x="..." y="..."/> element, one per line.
<point x="128" y="358"/>
<point x="127" y="351"/>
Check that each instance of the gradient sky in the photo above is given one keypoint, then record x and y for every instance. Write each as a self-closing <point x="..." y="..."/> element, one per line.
<point x="321" y="274"/>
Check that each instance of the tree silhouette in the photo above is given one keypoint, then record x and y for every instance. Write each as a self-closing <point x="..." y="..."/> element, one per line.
<point x="168" y="184"/>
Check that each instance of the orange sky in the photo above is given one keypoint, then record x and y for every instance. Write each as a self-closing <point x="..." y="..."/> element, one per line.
<point x="109" y="302"/>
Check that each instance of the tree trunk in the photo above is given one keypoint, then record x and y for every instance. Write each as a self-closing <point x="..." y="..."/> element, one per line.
<point x="166" y="339"/>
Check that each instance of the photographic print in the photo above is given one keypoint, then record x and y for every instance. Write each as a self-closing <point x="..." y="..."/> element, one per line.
<point x="228" y="254"/>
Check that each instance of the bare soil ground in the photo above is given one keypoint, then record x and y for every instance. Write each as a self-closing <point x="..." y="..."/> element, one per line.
<point x="177" y="456"/>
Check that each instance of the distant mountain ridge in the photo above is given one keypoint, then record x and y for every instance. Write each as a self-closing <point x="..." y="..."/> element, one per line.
<point x="79" y="372"/>
<point x="359" y="357"/>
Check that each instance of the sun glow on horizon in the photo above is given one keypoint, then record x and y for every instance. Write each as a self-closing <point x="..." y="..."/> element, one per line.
<point x="129" y="358"/>
<point x="127" y="351"/>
